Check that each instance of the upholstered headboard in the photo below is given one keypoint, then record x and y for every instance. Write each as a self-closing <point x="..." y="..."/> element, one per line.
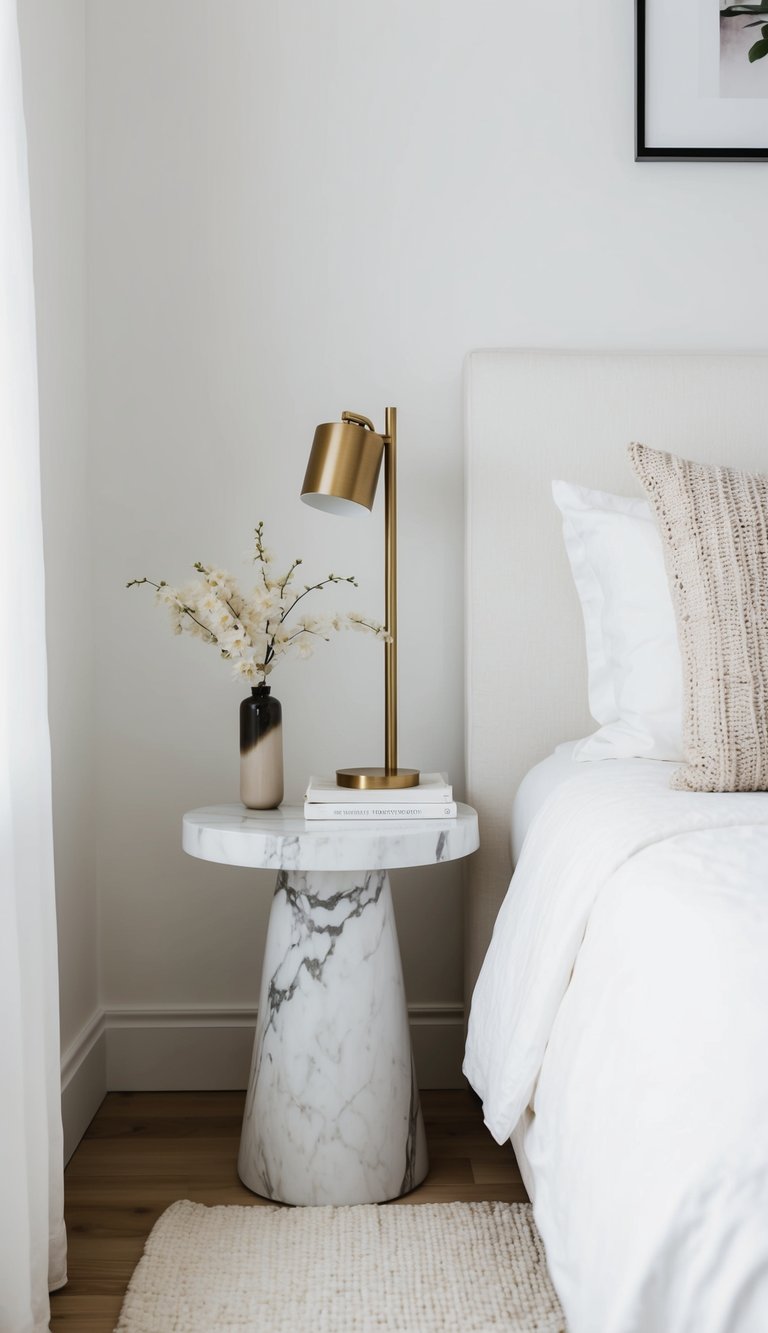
<point x="532" y="416"/>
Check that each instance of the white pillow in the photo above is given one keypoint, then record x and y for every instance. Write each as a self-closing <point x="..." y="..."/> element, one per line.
<point x="633" y="658"/>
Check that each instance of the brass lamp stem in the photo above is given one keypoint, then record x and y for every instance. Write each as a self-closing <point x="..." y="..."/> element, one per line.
<point x="390" y="589"/>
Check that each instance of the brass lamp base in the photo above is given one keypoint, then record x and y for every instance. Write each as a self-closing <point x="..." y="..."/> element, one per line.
<point x="377" y="779"/>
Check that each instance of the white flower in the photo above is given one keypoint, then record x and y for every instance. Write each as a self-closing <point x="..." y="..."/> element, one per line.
<point x="190" y="593"/>
<point x="165" y="595"/>
<point x="354" y="620"/>
<point x="234" y="641"/>
<point x="357" y="622"/>
<point x="246" y="668"/>
<point x="222" y="582"/>
<point x="319" y="625"/>
<point x="262" y="603"/>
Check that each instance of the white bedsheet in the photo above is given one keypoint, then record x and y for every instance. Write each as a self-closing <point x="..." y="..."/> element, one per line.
<point x="536" y="788"/>
<point x="625" y="997"/>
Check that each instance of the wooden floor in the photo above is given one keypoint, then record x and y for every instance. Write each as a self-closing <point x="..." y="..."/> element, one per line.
<point x="144" y="1150"/>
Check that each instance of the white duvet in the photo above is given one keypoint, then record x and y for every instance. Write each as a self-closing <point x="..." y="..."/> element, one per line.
<point x="625" y="998"/>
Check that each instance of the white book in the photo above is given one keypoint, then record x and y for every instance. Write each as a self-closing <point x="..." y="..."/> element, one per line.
<point x="348" y="810"/>
<point x="432" y="787"/>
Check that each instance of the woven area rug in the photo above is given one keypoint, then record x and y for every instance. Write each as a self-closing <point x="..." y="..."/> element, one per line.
<point x="409" y="1268"/>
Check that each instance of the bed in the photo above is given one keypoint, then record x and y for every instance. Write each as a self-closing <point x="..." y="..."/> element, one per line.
<point x="620" y="1037"/>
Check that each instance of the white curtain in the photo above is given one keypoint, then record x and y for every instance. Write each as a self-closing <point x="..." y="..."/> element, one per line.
<point x="32" y="1237"/>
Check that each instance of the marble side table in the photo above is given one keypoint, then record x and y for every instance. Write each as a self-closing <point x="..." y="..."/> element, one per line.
<point x="332" y="1113"/>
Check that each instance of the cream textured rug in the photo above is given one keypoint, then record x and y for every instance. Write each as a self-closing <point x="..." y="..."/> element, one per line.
<point x="405" y="1268"/>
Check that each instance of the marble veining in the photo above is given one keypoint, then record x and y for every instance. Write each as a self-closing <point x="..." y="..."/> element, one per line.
<point x="411" y="1176"/>
<point x="283" y="840"/>
<point x="333" y="1112"/>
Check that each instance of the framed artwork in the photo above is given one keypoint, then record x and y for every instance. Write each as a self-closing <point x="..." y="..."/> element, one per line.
<point x="702" y="80"/>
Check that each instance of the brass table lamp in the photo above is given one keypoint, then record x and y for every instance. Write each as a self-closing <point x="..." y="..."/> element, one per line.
<point x="342" y="472"/>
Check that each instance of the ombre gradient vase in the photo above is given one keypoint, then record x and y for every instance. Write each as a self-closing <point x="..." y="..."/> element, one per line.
<point x="261" y="750"/>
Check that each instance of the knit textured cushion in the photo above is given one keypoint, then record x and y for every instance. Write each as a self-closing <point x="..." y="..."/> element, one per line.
<point x="714" y="527"/>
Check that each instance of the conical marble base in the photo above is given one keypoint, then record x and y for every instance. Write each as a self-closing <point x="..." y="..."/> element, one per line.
<point x="333" y="1113"/>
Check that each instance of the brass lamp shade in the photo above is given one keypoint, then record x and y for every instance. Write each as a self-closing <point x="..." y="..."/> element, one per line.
<point x="343" y="468"/>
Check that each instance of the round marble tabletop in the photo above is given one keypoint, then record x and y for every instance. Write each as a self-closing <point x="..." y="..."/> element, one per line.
<point x="283" y="839"/>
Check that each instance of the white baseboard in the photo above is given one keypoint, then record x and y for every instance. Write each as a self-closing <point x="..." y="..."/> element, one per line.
<point x="180" y="1050"/>
<point x="183" y="1049"/>
<point x="83" y="1080"/>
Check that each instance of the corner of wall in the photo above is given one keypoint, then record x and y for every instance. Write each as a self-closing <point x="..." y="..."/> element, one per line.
<point x="83" y="1080"/>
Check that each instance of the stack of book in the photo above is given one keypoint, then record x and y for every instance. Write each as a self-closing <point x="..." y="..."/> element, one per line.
<point x="431" y="799"/>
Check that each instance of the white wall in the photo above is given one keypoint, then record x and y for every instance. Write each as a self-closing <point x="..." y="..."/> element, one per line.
<point x="295" y="208"/>
<point x="53" y="52"/>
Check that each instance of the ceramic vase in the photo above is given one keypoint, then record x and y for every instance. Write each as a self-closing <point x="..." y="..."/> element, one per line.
<point x="261" y="750"/>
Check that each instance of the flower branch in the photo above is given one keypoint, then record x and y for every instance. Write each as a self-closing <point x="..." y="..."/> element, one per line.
<point x="249" y="630"/>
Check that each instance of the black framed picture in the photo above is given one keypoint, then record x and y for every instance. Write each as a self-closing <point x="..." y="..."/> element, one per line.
<point x="702" y="80"/>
